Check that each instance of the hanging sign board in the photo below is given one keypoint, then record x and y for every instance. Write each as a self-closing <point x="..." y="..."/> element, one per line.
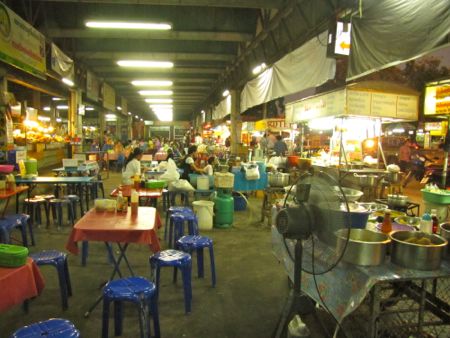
<point x="20" y="44"/>
<point x="331" y="104"/>
<point x="109" y="97"/>
<point x="92" y="86"/>
<point x="62" y="64"/>
<point x="437" y="100"/>
<point x="124" y="105"/>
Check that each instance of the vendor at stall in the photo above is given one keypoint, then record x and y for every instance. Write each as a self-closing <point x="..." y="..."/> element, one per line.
<point x="208" y="169"/>
<point x="188" y="164"/>
<point x="280" y="148"/>
<point x="132" y="166"/>
<point x="404" y="155"/>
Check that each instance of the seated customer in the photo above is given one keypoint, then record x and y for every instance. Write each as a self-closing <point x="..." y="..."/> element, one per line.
<point x="132" y="167"/>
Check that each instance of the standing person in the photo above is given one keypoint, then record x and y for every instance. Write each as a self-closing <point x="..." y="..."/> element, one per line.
<point x="271" y="139"/>
<point x="132" y="166"/>
<point x="198" y="139"/>
<point x="188" y="164"/>
<point x="263" y="143"/>
<point x="209" y="170"/>
<point x="404" y="156"/>
<point x="280" y="148"/>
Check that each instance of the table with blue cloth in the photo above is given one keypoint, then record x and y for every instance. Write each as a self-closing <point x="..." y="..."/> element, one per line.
<point x="242" y="184"/>
<point x="375" y="301"/>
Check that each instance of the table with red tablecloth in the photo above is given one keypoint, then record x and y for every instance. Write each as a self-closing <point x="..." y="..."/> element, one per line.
<point x="19" y="284"/>
<point x="150" y="194"/>
<point x="117" y="227"/>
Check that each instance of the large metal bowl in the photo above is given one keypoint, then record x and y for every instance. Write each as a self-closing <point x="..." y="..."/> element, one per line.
<point x="364" y="247"/>
<point x="408" y="220"/>
<point x="445" y="232"/>
<point x="417" y="256"/>
<point x="352" y="195"/>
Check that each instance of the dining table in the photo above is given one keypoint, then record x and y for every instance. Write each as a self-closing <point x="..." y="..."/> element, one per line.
<point x="19" y="284"/>
<point x="8" y="193"/>
<point x="151" y="195"/>
<point x="121" y="228"/>
<point x="100" y="156"/>
<point x="79" y="182"/>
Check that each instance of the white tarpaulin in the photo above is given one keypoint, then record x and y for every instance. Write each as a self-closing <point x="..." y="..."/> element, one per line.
<point x="222" y="109"/>
<point x="306" y="67"/>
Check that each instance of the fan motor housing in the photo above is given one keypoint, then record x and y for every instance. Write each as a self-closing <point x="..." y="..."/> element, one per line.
<point x="294" y="222"/>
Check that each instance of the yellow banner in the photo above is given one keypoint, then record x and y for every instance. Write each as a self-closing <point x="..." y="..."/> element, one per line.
<point x="20" y="44"/>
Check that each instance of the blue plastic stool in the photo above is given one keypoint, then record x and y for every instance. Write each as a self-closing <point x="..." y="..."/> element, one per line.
<point x="172" y="210"/>
<point x="184" y="196"/>
<point x="177" y="260"/>
<point x="176" y="226"/>
<point x="59" y="261"/>
<point x="52" y="328"/>
<point x="56" y="206"/>
<point x="7" y="225"/>
<point x="32" y="206"/>
<point x="190" y="243"/>
<point x="137" y="290"/>
<point x="25" y="220"/>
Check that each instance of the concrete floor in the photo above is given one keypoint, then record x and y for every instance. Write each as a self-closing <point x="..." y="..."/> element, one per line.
<point x="250" y="293"/>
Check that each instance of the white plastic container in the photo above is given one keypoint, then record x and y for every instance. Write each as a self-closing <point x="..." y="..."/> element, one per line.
<point x="203" y="183"/>
<point x="224" y="180"/>
<point x="204" y="211"/>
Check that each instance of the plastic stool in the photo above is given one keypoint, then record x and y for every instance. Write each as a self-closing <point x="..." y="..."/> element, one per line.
<point x="137" y="290"/>
<point x="178" y="260"/>
<point x="7" y="226"/>
<point x="184" y="196"/>
<point x="56" y="205"/>
<point x="190" y="243"/>
<point x="59" y="261"/>
<point x="171" y="211"/>
<point x="32" y="206"/>
<point x="75" y="199"/>
<point x="52" y="328"/>
<point x="24" y="219"/>
<point x="176" y="226"/>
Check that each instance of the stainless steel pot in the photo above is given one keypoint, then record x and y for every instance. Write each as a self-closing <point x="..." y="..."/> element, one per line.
<point x="393" y="177"/>
<point x="445" y="232"/>
<point x="278" y="179"/>
<point x="417" y="256"/>
<point x="364" y="247"/>
<point x="397" y="200"/>
<point x="367" y="180"/>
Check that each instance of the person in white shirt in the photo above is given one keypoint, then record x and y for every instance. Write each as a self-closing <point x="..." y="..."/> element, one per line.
<point x="132" y="167"/>
<point x="208" y="170"/>
<point x="188" y="164"/>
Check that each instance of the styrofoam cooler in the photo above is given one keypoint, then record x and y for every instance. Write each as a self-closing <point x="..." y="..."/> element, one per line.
<point x="204" y="211"/>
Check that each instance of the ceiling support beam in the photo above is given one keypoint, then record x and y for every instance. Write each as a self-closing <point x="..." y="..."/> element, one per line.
<point x="202" y="3"/>
<point x="153" y="56"/>
<point x="175" y="80"/>
<point x="150" y="35"/>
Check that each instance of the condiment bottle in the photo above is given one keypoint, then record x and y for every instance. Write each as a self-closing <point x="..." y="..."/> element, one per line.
<point x="386" y="226"/>
<point x="134" y="202"/>
<point x="137" y="182"/>
<point x="426" y="223"/>
<point x="119" y="201"/>
<point x="125" y="205"/>
<point x="434" y="221"/>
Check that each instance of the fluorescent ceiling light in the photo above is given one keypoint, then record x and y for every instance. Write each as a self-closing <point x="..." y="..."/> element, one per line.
<point x="58" y="119"/>
<point x="156" y="92"/>
<point x="43" y="118"/>
<point x="47" y="108"/>
<point x="89" y="108"/>
<point x="129" y="113"/>
<point x="165" y="117"/>
<point x="145" y="64"/>
<point x="68" y="82"/>
<point x="152" y="83"/>
<point x="110" y="116"/>
<point x="119" y="108"/>
<point x="62" y="107"/>
<point x="57" y="99"/>
<point x="128" y="25"/>
<point x="259" y="68"/>
<point x="225" y="93"/>
<point x="156" y="106"/>
<point x="142" y="119"/>
<point x="159" y="100"/>
<point x="136" y="116"/>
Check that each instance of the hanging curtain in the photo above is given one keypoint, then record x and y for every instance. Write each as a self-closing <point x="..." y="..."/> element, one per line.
<point x="394" y="31"/>
<point x="305" y="67"/>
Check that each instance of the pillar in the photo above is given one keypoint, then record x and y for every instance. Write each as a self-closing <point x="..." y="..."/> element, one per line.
<point x="75" y="99"/>
<point x="236" y="122"/>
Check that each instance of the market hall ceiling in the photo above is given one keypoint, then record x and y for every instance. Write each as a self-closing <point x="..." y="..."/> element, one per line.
<point x="213" y="44"/>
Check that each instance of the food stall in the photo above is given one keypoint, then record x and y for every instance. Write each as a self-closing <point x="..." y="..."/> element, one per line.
<point x="354" y="115"/>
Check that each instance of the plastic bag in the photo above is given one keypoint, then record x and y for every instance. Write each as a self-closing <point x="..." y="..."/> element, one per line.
<point x="252" y="173"/>
<point x="171" y="173"/>
<point x="181" y="185"/>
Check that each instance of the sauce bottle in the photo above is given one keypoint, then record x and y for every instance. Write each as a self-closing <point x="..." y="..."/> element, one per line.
<point x="120" y="202"/>
<point x="134" y="202"/>
<point x="386" y="226"/>
<point x="435" y="221"/>
<point x="426" y="223"/>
